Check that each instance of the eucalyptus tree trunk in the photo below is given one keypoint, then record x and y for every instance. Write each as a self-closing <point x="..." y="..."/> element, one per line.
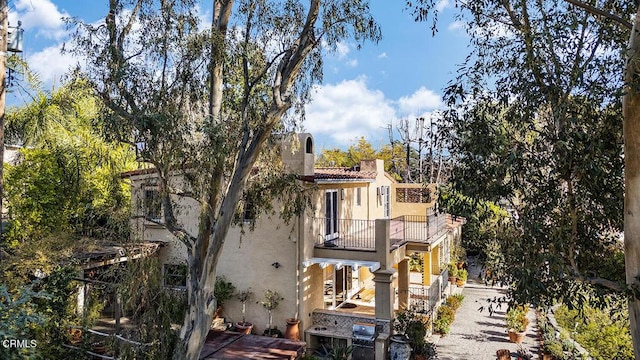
<point x="220" y="199"/>
<point x="631" y="130"/>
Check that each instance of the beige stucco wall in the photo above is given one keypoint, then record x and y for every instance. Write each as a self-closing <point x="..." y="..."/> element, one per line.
<point x="400" y="209"/>
<point x="246" y="259"/>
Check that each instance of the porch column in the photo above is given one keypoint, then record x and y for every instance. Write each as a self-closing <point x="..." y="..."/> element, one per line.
<point x="403" y="284"/>
<point x="435" y="260"/>
<point x="426" y="268"/>
<point x="384" y="293"/>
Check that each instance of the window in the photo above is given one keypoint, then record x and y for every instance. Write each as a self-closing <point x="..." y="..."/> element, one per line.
<point x="358" y="196"/>
<point x="249" y="214"/>
<point x="309" y="146"/>
<point x="175" y="275"/>
<point x="152" y="205"/>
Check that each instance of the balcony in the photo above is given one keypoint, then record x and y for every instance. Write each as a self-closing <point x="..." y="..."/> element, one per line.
<point x="345" y="234"/>
<point x="417" y="228"/>
<point x="352" y="234"/>
<point x="425" y="299"/>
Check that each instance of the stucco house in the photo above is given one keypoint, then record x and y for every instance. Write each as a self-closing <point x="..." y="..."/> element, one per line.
<point x="343" y="267"/>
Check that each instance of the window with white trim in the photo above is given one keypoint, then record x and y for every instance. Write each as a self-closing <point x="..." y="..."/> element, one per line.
<point x="175" y="275"/>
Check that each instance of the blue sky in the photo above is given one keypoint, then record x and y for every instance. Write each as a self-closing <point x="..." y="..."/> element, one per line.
<point x="363" y="90"/>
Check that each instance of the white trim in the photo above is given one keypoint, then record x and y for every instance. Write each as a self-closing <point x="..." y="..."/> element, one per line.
<point x="324" y="262"/>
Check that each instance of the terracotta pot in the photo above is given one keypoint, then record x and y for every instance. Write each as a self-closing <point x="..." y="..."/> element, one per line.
<point x="547" y="356"/>
<point x="75" y="336"/>
<point x="516" y="337"/>
<point x="459" y="283"/>
<point x="452" y="279"/>
<point x="217" y="313"/>
<point x="244" y="327"/>
<point x="503" y="354"/>
<point x="293" y="331"/>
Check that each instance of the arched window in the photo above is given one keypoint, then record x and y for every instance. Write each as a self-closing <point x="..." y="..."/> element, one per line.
<point x="309" y="146"/>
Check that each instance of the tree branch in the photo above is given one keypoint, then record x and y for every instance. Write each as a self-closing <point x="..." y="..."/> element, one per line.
<point x="594" y="10"/>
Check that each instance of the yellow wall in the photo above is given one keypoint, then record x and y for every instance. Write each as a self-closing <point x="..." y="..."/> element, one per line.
<point x="400" y="209"/>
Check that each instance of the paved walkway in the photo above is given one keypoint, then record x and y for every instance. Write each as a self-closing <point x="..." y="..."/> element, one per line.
<point x="476" y="335"/>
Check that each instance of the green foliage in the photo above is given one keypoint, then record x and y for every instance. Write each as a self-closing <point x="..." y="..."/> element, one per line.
<point x="517" y="318"/>
<point x="416" y="262"/>
<point x="603" y="335"/>
<point x="337" y="352"/>
<point x="444" y="317"/>
<point x="452" y="269"/>
<point x="68" y="179"/>
<point x="271" y="300"/>
<point x="549" y="147"/>
<point x="454" y="302"/>
<point x="394" y="157"/>
<point x="462" y="275"/>
<point x="20" y="319"/>
<point x="153" y="307"/>
<point x="223" y="290"/>
<point x="413" y="324"/>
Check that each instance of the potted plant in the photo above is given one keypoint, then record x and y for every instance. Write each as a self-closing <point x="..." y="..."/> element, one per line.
<point x="270" y="302"/>
<point x="517" y="322"/>
<point x="523" y="354"/>
<point x="222" y="291"/>
<point x="244" y="326"/>
<point x="453" y="272"/>
<point x="503" y="354"/>
<point x="425" y="351"/>
<point x="461" y="279"/>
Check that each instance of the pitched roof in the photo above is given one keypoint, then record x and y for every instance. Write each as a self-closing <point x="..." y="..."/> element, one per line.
<point x="343" y="173"/>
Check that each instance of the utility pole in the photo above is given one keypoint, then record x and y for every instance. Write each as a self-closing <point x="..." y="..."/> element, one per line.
<point x="4" y="14"/>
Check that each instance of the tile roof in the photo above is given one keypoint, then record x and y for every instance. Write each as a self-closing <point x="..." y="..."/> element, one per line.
<point x="343" y="173"/>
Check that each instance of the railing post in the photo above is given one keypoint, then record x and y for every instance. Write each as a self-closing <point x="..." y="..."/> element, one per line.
<point x="383" y="242"/>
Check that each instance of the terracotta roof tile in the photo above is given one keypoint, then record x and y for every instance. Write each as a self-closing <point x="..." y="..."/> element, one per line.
<point x="343" y="173"/>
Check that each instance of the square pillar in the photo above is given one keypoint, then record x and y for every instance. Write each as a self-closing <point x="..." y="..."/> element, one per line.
<point x="426" y="268"/>
<point x="385" y="294"/>
<point x="403" y="284"/>
<point x="435" y="260"/>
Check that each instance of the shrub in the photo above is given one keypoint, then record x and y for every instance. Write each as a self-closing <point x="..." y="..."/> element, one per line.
<point x="412" y="324"/>
<point x="444" y="318"/>
<point x="517" y="318"/>
<point x="453" y="269"/>
<point x="600" y="334"/>
<point x="462" y="275"/>
<point x="454" y="302"/>
<point x="441" y="326"/>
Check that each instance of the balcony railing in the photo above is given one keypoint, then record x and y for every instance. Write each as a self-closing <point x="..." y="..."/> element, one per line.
<point x="345" y="233"/>
<point x="424" y="299"/>
<point x="417" y="228"/>
<point x="360" y="234"/>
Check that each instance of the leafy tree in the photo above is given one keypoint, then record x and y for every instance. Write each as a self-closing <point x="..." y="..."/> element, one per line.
<point x="552" y="141"/>
<point x="68" y="178"/>
<point x="603" y="335"/>
<point x="18" y="318"/>
<point x="255" y="66"/>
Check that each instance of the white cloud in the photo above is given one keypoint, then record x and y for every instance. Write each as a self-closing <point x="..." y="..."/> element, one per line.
<point x="420" y="101"/>
<point x="348" y="110"/>
<point x="457" y="25"/>
<point x="442" y="4"/>
<point x="41" y="15"/>
<point x="50" y="64"/>
<point x="383" y="56"/>
<point x="342" y="49"/>
<point x="352" y="62"/>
